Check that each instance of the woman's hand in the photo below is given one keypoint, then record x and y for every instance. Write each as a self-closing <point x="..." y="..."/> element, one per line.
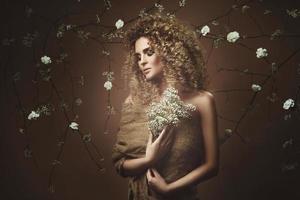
<point x="157" y="149"/>
<point x="156" y="182"/>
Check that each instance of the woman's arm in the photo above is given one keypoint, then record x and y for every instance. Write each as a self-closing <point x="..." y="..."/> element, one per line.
<point x="132" y="167"/>
<point x="207" y="109"/>
<point x="154" y="152"/>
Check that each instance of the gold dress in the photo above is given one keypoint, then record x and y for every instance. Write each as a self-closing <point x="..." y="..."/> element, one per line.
<point x="185" y="154"/>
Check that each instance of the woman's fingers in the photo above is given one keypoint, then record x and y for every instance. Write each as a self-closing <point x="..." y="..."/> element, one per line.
<point x="149" y="175"/>
<point x="150" y="139"/>
<point x="155" y="172"/>
<point x="166" y="139"/>
<point x="161" y="135"/>
<point x="165" y="132"/>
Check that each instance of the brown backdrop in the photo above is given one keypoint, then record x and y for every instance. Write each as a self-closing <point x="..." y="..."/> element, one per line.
<point x="262" y="165"/>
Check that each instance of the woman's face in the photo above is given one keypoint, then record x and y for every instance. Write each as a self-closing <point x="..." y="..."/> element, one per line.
<point x="148" y="60"/>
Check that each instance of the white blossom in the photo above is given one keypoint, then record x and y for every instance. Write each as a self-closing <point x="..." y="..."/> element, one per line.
<point x="108" y="85"/>
<point x="159" y="7"/>
<point x="204" y="30"/>
<point x="46" y="60"/>
<point x="78" y="101"/>
<point x="21" y="130"/>
<point x="293" y="13"/>
<point x="33" y="115"/>
<point x="288" y="104"/>
<point x="266" y="12"/>
<point x="287" y="143"/>
<point x="107" y="53"/>
<point x="168" y="111"/>
<point x="119" y="24"/>
<point x="228" y="132"/>
<point x="182" y="3"/>
<point x="74" y="126"/>
<point x="244" y="8"/>
<point x="261" y="52"/>
<point x="256" y="87"/>
<point x="233" y="36"/>
<point x="69" y="27"/>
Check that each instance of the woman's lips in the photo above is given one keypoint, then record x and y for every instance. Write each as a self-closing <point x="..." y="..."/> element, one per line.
<point x="146" y="71"/>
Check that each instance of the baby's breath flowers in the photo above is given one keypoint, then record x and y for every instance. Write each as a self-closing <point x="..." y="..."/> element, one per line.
<point x="168" y="111"/>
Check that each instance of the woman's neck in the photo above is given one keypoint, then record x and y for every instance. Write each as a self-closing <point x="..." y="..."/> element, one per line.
<point x="161" y="84"/>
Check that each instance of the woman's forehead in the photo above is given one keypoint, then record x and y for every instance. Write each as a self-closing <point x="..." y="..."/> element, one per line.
<point x="141" y="44"/>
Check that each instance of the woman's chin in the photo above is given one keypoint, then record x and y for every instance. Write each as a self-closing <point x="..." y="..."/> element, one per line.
<point x="148" y="77"/>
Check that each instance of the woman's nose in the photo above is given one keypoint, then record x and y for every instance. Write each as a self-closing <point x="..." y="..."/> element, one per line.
<point x="143" y="60"/>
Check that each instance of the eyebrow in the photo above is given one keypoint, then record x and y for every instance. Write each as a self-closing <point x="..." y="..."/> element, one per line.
<point x="144" y="51"/>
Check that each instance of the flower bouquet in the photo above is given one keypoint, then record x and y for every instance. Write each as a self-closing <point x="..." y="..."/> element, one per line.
<point x="168" y="111"/>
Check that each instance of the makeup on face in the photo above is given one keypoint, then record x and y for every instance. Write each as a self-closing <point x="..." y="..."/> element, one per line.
<point x="148" y="60"/>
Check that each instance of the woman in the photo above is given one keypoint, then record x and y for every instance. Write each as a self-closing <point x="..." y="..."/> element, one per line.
<point x="164" y="53"/>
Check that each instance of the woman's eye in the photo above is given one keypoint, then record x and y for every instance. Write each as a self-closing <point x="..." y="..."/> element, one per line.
<point x="138" y="58"/>
<point x="150" y="52"/>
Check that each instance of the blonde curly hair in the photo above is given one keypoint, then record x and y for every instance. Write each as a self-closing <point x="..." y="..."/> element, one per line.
<point x="179" y="50"/>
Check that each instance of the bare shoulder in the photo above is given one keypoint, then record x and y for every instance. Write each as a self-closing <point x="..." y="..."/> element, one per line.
<point x="204" y="95"/>
<point x="204" y="100"/>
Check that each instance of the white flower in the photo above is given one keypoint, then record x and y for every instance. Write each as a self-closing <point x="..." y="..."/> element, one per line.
<point x="119" y="24"/>
<point x="287" y="143"/>
<point x="266" y="12"/>
<point x="59" y="34"/>
<point x="182" y="3"/>
<point x="33" y="115"/>
<point x="288" y="104"/>
<point x="233" y="36"/>
<point x="108" y="85"/>
<point x="168" y="111"/>
<point x="293" y="13"/>
<point x="74" y="126"/>
<point x="228" y="131"/>
<point x="260" y="52"/>
<point x="244" y="8"/>
<point x="256" y="87"/>
<point x="46" y="60"/>
<point x="78" y="101"/>
<point x="205" y="29"/>
<point x="68" y="27"/>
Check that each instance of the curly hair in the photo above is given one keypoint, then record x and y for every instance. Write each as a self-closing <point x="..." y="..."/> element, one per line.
<point x="179" y="50"/>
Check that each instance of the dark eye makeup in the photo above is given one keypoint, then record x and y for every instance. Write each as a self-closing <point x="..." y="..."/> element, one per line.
<point x="149" y="51"/>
